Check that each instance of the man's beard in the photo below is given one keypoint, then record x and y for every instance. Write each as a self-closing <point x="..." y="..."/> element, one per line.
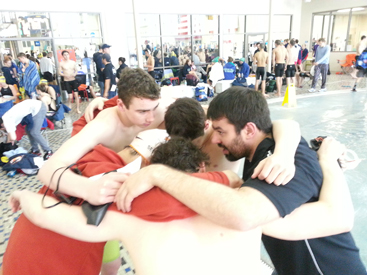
<point x="236" y="150"/>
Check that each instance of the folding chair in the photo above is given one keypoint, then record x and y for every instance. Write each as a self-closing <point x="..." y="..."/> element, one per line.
<point x="349" y="63"/>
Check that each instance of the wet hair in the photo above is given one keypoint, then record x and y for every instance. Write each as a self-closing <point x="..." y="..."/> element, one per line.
<point x="42" y="87"/>
<point x="21" y="55"/>
<point x="278" y="42"/>
<point x="292" y="42"/>
<point x="230" y="59"/>
<point x="262" y="46"/>
<point x="363" y="37"/>
<point x="240" y="106"/>
<point x="181" y="154"/>
<point x="62" y="53"/>
<point x="185" y="118"/>
<point x="136" y="83"/>
<point x="122" y="59"/>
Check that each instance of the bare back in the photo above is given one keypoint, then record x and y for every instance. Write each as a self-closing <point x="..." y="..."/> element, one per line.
<point x="150" y="62"/>
<point x="261" y="58"/>
<point x="292" y="54"/>
<point x="280" y="54"/>
<point x="159" y="248"/>
<point x="69" y="69"/>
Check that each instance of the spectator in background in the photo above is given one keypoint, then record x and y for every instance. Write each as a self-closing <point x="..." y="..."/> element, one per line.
<point x="147" y="46"/>
<point x="150" y="63"/>
<point x="229" y="70"/>
<point x="46" y="68"/>
<point x="166" y="60"/>
<point x="201" y="55"/>
<point x="7" y="91"/>
<point x="173" y="59"/>
<point x="109" y="76"/>
<point x="244" y="68"/>
<point x="122" y="66"/>
<point x="14" y="65"/>
<point x="37" y="110"/>
<point x="187" y="69"/>
<point x="9" y="72"/>
<point x="30" y="76"/>
<point x="321" y="65"/>
<point x="97" y="58"/>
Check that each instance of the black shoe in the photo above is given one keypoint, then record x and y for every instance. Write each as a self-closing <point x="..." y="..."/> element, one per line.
<point x="47" y="155"/>
<point x="37" y="153"/>
<point x="354" y="90"/>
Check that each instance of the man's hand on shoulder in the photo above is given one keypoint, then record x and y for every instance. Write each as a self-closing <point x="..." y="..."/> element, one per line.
<point x="137" y="184"/>
<point x="276" y="170"/>
<point x="96" y="103"/>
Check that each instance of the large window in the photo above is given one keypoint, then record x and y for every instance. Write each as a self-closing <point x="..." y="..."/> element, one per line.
<point x="174" y="38"/>
<point x="342" y="29"/>
<point x="37" y="32"/>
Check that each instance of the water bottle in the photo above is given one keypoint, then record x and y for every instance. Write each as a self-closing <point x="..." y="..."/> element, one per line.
<point x="11" y="173"/>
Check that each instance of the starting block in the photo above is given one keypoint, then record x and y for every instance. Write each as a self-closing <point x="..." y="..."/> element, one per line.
<point x="290" y="96"/>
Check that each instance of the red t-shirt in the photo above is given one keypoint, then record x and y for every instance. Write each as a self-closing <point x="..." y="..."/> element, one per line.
<point x="33" y="250"/>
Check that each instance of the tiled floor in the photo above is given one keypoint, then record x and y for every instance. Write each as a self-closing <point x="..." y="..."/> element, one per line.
<point x="341" y="114"/>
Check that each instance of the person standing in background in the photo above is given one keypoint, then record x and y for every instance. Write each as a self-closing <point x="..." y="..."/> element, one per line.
<point x="30" y="76"/>
<point x="321" y="65"/>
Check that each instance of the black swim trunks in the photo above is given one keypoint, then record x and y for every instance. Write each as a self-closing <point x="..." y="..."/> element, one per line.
<point x="71" y="86"/>
<point x="279" y="69"/>
<point x="361" y="72"/>
<point x="291" y="71"/>
<point x="260" y="71"/>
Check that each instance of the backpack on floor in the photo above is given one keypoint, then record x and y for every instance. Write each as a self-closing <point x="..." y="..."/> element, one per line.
<point x="200" y="94"/>
<point x="270" y="86"/>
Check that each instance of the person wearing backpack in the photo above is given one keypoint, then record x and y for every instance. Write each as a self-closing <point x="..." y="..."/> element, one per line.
<point x="362" y="68"/>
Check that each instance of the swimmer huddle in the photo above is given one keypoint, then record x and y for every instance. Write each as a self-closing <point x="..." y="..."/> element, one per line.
<point x="208" y="220"/>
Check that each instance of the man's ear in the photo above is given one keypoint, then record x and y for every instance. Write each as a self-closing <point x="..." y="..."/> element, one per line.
<point x="207" y="124"/>
<point x="249" y="130"/>
<point x="120" y="105"/>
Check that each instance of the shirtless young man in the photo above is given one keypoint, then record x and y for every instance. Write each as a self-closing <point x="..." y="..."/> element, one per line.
<point x="291" y="62"/>
<point x="280" y="55"/>
<point x="261" y="58"/>
<point x="68" y="69"/>
<point x="138" y="108"/>
<point x="150" y="63"/>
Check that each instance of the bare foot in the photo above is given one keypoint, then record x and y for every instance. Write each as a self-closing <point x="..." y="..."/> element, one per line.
<point x="265" y="95"/>
<point x="278" y="94"/>
<point x="78" y="111"/>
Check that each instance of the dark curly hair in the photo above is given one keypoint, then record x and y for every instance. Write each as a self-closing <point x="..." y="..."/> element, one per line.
<point x="136" y="83"/>
<point x="181" y="154"/>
